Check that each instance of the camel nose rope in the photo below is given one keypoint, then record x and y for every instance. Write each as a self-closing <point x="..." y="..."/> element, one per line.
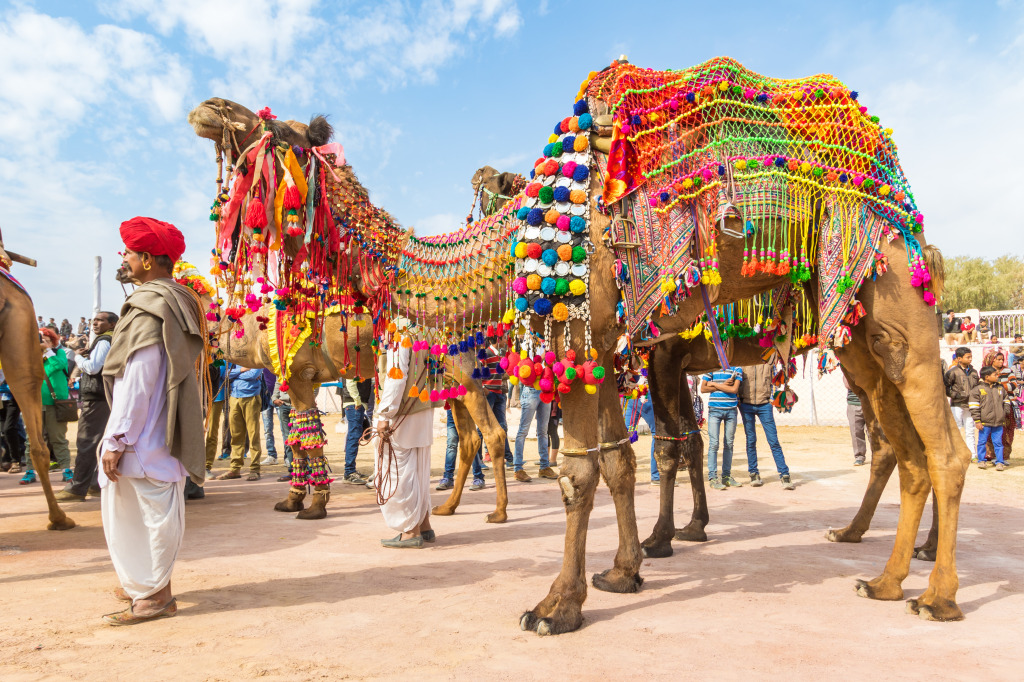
<point x="384" y="485"/>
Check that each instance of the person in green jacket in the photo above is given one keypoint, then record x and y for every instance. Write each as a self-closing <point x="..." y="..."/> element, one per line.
<point x="55" y="364"/>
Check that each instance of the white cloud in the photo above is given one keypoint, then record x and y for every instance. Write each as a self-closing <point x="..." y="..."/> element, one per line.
<point x="53" y="73"/>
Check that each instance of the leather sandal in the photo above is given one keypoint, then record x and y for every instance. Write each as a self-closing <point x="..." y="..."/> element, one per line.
<point x="398" y="543"/>
<point x="121" y="595"/>
<point x="228" y="475"/>
<point x="253" y="476"/>
<point x="129" y="617"/>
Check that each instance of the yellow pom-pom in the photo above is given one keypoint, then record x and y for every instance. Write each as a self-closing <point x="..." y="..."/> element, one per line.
<point x="805" y="167"/>
<point x="888" y="131"/>
<point x="593" y="354"/>
<point x="513" y="380"/>
<point x="884" y="190"/>
<point x="577" y="287"/>
<point x="590" y="388"/>
<point x="509" y="315"/>
<point x="552" y="138"/>
<point x="741" y="164"/>
<point x="521" y="250"/>
<point x="723" y="86"/>
<point x="687" y="183"/>
<point x="581" y="143"/>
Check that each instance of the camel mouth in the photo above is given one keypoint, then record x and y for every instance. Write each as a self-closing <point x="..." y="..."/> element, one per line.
<point x="206" y="122"/>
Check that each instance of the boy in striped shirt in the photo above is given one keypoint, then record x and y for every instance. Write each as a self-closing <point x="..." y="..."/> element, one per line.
<point x="723" y="385"/>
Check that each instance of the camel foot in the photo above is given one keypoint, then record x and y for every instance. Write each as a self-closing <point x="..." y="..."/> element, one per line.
<point x="497" y="517"/>
<point x="924" y="553"/>
<point x="614" y="580"/>
<point x="691" y="532"/>
<point x="442" y="510"/>
<point x="64" y="523"/>
<point x="292" y="503"/>
<point x="318" y="509"/>
<point x="556" y="624"/>
<point x="656" y="548"/>
<point x="879" y="589"/>
<point x="843" y="535"/>
<point x="944" y="610"/>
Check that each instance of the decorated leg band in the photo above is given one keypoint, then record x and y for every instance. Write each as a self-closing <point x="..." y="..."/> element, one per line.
<point x="318" y="471"/>
<point x="306" y="430"/>
<point x="299" y="473"/>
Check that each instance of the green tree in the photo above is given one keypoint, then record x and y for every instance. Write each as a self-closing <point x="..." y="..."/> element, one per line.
<point x="973" y="282"/>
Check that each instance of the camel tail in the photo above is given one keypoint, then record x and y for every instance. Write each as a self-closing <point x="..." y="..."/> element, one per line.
<point x="936" y="268"/>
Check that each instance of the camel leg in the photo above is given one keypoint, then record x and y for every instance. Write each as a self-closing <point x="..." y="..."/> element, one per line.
<point x="495" y="437"/>
<point x="693" y="456"/>
<point x="19" y="355"/>
<point x="469" y="442"/>
<point x="297" y="486"/>
<point x="618" y="467"/>
<point x="562" y="609"/>
<point x="926" y="552"/>
<point x="883" y="461"/>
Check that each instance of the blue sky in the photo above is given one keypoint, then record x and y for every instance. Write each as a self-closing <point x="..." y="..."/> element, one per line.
<point x="94" y="97"/>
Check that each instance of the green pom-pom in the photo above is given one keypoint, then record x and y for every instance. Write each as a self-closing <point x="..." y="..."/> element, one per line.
<point x="875" y="119"/>
<point x="819" y="93"/>
<point x="570" y="373"/>
<point x="546" y="195"/>
<point x="753" y="164"/>
<point x="868" y="183"/>
<point x="818" y="172"/>
<point x="598" y="372"/>
<point x="561" y="286"/>
<point x="579" y="254"/>
<point x="556" y="149"/>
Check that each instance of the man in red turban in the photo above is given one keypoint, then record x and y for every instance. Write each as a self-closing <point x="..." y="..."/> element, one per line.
<point x="154" y="437"/>
<point x="155" y="237"/>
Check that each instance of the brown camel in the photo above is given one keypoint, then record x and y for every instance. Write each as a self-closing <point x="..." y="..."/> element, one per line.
<point x="23" y="370"/>
<point x="227" y="123"/>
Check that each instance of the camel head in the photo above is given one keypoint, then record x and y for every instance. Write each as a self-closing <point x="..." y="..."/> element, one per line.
<point x="232" y="127"/>
<point x="496" y="188"/>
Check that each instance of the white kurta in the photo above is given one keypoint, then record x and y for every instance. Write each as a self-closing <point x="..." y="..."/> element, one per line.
<point x="144" y="510"/>
<point x="410" y="479"/>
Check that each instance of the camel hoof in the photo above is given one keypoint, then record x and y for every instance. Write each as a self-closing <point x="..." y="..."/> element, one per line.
<point x="289" y="505"/>
<point x="528" y="621"/>
<point x="869" y="591"/>
<point x="497" y="517"/>
<point x="691" y="534"/>
<point x="623" y="584"/>
<point x="442" y="511"/>
<point x="924" y="553"/>
<point x="842" y="535"/>
<point x="657" y="551"/>
<point x="936" y="612"/>
<point x="544" y="627"/>
<point x="64" y="524"/>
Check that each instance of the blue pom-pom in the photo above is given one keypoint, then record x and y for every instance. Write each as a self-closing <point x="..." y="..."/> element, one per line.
<point x="486" y="372"/>
<point x="481" y="354"/>
<point x="533" y="173"/>
<point x="476" y="373"/>
<point x="550" y="257"/>
<point x="581" y="173"/>
<point x="547" y="285"/>
<point x="547" y="148"/>
<point x="535" y="216"/>
<point x="664" y="196"/>
<point x="763" y="97"/>
<point x="453" y="350"/>
<point x="854" y="94"/>
<point x="721" y="170"/>
<point x="691" y="98"/>
<point x="635" y="121"/>
<point x="558" y="128"/>
<point x="463" y="347"/>
<point x="577" y="224"/>
<point x="470" y="342"/>
<point x="843" y="177"/>
<point x="585" y="121"/>
<point x="779" y="162"/>
<point x="480" y="338"/>
<point x="523" y="212"/>
<point x="521" y="304"/>
<point x="561" y="194"/>
<point x="634" y="437"/>
<point x="580" y="108"/>
<point x="542" y="306"/>
<point x="567" y="142"/>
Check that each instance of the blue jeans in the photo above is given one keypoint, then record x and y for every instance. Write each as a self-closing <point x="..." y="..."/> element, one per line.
<point x="995" y="433"/>
<point x="532" y="407"/>
<point x="764" y="413"/>
<point x="268" y="429"/>
<point x="718" y="417"/>
<point x="498" y="402"/>
<point x="647" y="414"/>
<point x="355" y="418"/>
<point x="452" y="451"/>
<point x="283" y="412"/>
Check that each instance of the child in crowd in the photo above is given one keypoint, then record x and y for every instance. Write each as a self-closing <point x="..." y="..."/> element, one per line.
<point x="989" y="403"/>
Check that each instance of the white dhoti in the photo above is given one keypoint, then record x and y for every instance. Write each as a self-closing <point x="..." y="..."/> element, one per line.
<point x="409" y="478"/>
<point x="144" y="523"/>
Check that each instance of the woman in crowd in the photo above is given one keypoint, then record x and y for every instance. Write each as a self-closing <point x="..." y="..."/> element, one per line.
<point x="55" y="387"/>
<point x="997" y="360"/>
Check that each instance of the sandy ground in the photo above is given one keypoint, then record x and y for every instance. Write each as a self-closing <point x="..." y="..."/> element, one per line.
<point x="265" y="595"/>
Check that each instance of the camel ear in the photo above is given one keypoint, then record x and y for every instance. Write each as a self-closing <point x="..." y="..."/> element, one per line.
<point x="320" y="131"/>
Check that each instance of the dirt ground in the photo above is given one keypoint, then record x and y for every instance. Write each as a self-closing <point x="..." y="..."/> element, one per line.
<point x="262" y="594"/>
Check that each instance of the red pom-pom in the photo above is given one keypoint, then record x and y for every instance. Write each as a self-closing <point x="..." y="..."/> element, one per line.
<point x="292" y="198"/>
<point x="256" y="215"/>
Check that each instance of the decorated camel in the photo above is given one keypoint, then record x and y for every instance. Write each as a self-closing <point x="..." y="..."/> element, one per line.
<point x="23" y="371"/>
<point x="307" y="342"/>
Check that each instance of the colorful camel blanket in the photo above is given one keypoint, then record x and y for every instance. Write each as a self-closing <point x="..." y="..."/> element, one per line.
<point x="10" y="278"/>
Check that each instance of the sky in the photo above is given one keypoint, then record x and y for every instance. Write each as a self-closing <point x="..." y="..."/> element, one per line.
<point x="94" y="98"/>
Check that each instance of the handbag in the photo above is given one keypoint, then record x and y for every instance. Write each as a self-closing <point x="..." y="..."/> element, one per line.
<point x="65" y="410"/>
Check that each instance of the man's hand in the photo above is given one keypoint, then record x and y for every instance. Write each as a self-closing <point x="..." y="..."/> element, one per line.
<point x="731" y="381"/>
<point x="109" y="463"/>
<point x="279" y="402"/>
<point x="82" y="351"/>
<point x="381" y="425"/>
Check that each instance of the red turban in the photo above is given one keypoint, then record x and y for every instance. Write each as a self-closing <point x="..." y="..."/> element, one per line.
<point x="155" y="237"/>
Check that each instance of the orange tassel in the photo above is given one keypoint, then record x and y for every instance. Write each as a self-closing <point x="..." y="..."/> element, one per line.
<point x="406" y="342"/>
<point x="414" y="392"/>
